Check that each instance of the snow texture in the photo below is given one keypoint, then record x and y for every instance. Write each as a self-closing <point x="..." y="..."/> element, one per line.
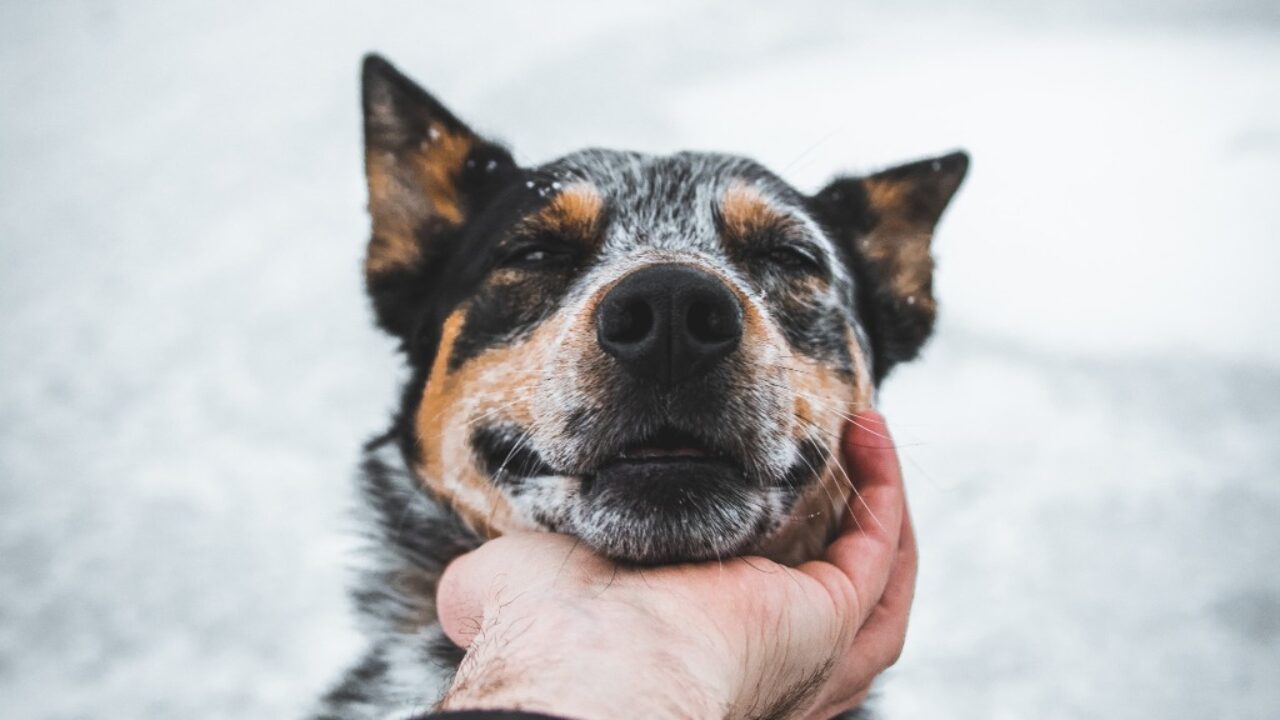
<point x="187" y="364"/>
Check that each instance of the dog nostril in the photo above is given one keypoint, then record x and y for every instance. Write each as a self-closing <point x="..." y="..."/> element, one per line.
<point x="710" y="322"/>
<point x="629" y="323"/>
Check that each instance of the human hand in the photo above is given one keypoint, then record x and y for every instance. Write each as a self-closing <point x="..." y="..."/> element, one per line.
<point x="552" y="627"/>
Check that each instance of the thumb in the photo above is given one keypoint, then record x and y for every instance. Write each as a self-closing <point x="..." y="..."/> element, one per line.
<point x="503" y="570"/>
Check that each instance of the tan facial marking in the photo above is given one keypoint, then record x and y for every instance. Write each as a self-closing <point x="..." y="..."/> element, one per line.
<point x="576" y="213"/>
<point x="450" y="405"/>
<point x="405" y="191"/>
<point x="745" y="211"/>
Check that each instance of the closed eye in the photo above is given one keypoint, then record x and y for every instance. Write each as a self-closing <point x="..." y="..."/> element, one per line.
<point x="535" y="254"/>
<point x="527" y="256"/>
<point x="795" y="257"/>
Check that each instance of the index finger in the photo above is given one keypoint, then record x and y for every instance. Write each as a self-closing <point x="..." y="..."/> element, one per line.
<point x="871" y="458"/>
<point x="868" y="541"/>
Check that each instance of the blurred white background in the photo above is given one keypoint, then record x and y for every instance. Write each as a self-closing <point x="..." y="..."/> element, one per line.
<point x="188" y="365"/>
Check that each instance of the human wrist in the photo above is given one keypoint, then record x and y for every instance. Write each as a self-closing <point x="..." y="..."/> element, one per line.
<point x="605" y="659"/>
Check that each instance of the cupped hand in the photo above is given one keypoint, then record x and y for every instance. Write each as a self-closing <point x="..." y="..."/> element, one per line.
<point x="551" y="627"/>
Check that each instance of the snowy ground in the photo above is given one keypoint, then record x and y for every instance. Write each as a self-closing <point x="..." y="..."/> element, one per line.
<point x="187" y="365"/>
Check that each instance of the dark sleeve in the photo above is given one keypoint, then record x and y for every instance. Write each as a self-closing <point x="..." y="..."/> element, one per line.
<point x="489" y="715"/>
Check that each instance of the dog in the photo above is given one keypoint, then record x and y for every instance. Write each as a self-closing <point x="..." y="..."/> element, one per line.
<point x="653" y="354"/>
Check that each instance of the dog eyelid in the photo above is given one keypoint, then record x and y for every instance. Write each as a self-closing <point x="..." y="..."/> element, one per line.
<point x="796" y="254"/>
<point x="532" y="252"/>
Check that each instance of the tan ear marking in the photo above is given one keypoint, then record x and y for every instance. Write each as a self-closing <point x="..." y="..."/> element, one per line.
<point x="409" y="189"/>
<point x="439" y="162"/>
<point x="899" y="243"/>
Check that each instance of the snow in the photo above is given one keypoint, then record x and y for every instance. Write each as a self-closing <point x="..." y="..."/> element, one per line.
<point x="188" y="365"/>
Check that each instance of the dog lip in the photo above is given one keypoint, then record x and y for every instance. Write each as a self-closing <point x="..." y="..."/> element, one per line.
<point x="656" y="453"/>
<point x="669" y="444"/>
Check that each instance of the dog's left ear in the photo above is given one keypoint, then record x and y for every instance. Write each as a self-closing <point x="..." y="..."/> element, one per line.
<point x="885" y="223"/>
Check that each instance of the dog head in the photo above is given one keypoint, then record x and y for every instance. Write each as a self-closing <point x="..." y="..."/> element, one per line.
<point x="655" y="354"/>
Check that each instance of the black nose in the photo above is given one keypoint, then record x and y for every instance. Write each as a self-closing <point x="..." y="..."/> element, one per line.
<point x="669" y="323"/>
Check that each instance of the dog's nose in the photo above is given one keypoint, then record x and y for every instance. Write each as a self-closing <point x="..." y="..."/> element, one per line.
<point x="669" y="323"/>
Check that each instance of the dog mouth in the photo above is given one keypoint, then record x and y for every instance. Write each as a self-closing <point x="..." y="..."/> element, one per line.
<point x="508" y="451"/>
<point x="668" y="452"/>
<point x="669" y="444"/>
<point x="671" y="496"/>
<point x="662" y="494"/>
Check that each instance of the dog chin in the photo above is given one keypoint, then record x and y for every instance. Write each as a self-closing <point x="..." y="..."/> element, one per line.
<point x="659" y="511"/>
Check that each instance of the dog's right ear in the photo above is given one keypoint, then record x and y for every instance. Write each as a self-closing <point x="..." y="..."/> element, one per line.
<point x="428" y="174"/>
<point x="885" y="221"/>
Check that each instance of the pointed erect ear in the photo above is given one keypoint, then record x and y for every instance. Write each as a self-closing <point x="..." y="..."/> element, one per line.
<point x="428" y="175"/>
<point x="885" y="222"/>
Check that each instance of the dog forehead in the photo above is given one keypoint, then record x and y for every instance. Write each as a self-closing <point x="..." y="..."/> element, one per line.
<point x="666" y="202"/>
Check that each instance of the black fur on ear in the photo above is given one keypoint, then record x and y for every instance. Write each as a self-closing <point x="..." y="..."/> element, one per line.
<point x="885" y="223"/>
<point x="428" y="175"/>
